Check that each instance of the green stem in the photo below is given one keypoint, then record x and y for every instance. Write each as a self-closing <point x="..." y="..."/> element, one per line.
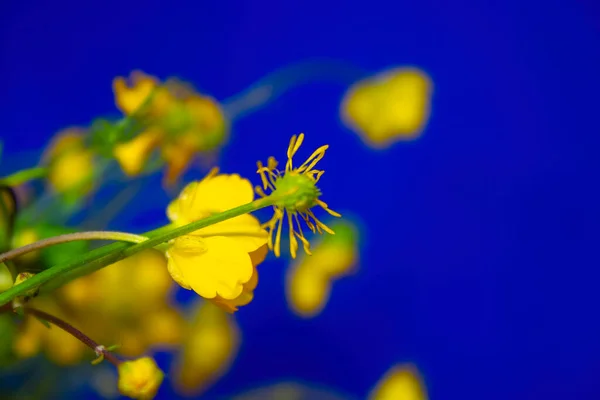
<point x="23" y="176"/>
<point x="110" y="254"/>
<point x="71" y="237"/>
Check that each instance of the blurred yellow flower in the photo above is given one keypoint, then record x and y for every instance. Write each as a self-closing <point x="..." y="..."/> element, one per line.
<point x="309" y="280"/>
<point x="126" y="303"/>
<point x="216" y="261"/>
<point x="140" y="378"/>
<point x="390" y="106"/>
<point x="401" y="382"/>
<point x="132" y="155"/>
<point x="176" y="119"/>
<point x="301" y="182"/>
<point x="307" y="292"/>
<point x="24" y="237"/>
<point x="209" y="347"/>
<point x="70" y="164"/>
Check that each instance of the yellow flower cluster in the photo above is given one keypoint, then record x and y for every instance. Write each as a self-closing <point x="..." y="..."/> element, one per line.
<point x="390" y="106"/>
<point x="309" y="281"/>
<point x="176" y="119"/>
<point x="217" y="262"/>
<point x="126" y="304"/>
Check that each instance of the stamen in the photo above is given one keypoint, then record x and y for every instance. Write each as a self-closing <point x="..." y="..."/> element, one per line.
<point x="314" y="158"/>
<point x="300" y="234"/>
<point x="320" y="224"/>
<point x="326" y="208"/>
<point x="278" y="238"/>
<point x="293" y="241"/>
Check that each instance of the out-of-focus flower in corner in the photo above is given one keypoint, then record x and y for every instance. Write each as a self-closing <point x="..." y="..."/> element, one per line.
<point x="401" y="382"/>
<point x="174" y="118"/>
<point x="390" y="106"/>
<point x="310" y="278"/>
<point x="70" y="164"/>
<point x="140" y="378"/>
<point x="209" y="348"/>
<point x="217" y="262"/>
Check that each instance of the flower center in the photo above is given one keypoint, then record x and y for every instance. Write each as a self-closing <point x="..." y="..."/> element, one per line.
<point x="298" y="191"/>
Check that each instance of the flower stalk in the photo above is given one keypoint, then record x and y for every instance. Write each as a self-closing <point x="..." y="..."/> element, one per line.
<point x="112" y="253"/>
<point x="101" y="351"/>
<point x="71" y="237"/>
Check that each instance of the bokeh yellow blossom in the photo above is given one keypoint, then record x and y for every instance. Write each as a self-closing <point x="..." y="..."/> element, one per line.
<point x="301" y="184"/>
<point x="175" y="118"/>
<point x="24" y="237"/>
<point x="70" y="164"/>
<point x="209" y="348"/>
<point x="140" y="378"/>
<point x="310" y="279"/>
<point x="401" y="382"/>
<point x="390" y="106"/>
<point x="127" y="303"/>
<point x="217" y="262"/>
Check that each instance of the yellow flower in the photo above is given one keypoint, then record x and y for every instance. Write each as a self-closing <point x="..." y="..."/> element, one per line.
<point x="401" y="382"/>
<point x="176" y="119"/>
<point x="140" y="378"/>
<point x="70" y="163"/>
<point x="301" y="182"/>
<point x="216" y="261"/>
<point x="389" y="106"/>
<point x="24" y="237"/>
<point x="143" y="93"/>
<point x="309" y="281"/>
<point x="208" y="350"/>
<point x="307" y="292"/>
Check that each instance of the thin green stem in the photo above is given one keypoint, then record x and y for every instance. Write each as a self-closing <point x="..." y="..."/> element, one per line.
<point x="23" y="176"/>
<point x="71" y="237"/>
<point x="110" y="254"/>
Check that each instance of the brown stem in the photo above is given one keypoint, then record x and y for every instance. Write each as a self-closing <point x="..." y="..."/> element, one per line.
<point x="110" y="357"/>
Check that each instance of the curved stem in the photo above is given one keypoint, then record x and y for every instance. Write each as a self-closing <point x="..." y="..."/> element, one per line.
<point x="82" y="337"/>
<point x="71" y="237"/>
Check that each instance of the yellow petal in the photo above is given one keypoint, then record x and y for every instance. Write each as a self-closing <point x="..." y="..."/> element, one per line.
<point x="245" y="230"/>
<point x="129" y="98"/>
<point x="132" y="155"/>
<point x="307" y="292"/>
<point x="211" y="195"/>
<point x="389" y="106"/>
<point x="221" y="270"/>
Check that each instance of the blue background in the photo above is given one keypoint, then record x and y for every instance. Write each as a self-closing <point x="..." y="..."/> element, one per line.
<point x="481" y="252"/>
